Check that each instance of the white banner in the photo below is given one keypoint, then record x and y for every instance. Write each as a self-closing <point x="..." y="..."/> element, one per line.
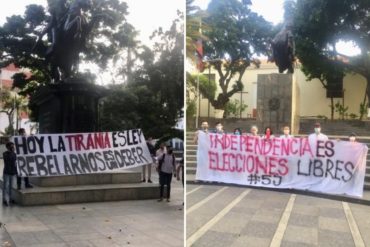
<point x="82" y="153"/>
<point x="335" y="167"/>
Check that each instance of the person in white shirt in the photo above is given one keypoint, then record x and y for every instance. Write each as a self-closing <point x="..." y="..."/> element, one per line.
<point x="317" y="136"/>
<point x="204" y="128"/>
<point x="286" y="131"/>
<point x="254" y="131"/>
<point x="352" y="137"/>
<point x="219" y="128"/>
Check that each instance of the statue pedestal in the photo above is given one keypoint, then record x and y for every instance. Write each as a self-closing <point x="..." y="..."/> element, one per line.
<point x="68" y="107"/>
<point x="277" y="102"/>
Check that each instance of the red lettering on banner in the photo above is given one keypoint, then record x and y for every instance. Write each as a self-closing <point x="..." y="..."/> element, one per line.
<point x="306" y="147"/>
<point x="107" y="143"/>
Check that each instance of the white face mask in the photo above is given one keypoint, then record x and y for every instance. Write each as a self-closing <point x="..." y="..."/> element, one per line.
<point x="317" y="130"/>
<point x="219" y="128"/>
<point x="352" y="138"/>
<point x="286" y="132"/>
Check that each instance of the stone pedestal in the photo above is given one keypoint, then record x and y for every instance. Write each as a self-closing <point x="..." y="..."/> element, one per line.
<point x="67" y="107"/>
<point x="277" y="102"/>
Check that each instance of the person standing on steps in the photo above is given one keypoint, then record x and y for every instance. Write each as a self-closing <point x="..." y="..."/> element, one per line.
<point x="286" y="132"/>
<point x="9" y="172"/>
<point x="204" y="128"/>
<point x="167" y="166"/>
<point x="149" y="166"/>
<point x="22" y="132"/>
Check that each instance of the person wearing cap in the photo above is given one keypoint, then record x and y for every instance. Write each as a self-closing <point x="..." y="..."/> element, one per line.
<point x="352" y="137"/>
<point x="286" y="132"/>
<point x="317" y="136"/>
<point x="204" y="128"/>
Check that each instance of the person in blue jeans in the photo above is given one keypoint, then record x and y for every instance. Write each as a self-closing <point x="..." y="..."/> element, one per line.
<point x="167" y="166"/>
<point x="9" y="173"/>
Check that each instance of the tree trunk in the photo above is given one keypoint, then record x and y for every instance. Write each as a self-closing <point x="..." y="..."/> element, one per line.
<point x="368" y="88"/>
<point x="332" y="108"/>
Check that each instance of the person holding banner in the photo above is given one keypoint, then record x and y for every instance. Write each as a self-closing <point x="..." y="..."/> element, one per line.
<point x="237" y="131"/>
<point x="352" y="137"/>
<point x="286" y="131"/>
<point x="219" y="128"/>
<point x="317" y="136"/>
<point x="268" y="133"/>
<point x="167" y="166"/>
<point x="22" y="132"/>
<point x="9" y="172"/>
<point x="149" y="166"/>
<point x="204" y="128"/>
<point x="254" y="130"/>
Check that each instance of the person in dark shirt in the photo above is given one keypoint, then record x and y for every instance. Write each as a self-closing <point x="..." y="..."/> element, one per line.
<point x="22" y="132"/>
<point x="9" y="173"/>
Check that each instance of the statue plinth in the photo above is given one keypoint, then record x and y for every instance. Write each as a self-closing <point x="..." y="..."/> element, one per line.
<point x="70" y="106"/>
<point x="277" y="102"/>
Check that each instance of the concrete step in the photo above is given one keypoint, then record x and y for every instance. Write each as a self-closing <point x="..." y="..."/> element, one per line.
<point x="191" y="158"/>
<point x="190" y="170"/>
<point x="119" y="177"/>
<point x="84" y="193"/>
<point x="192" y="164"/>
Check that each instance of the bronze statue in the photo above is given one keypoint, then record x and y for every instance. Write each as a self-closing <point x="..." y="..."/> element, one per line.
<point x="67" y="32"/>
<point x="283" y="50"/>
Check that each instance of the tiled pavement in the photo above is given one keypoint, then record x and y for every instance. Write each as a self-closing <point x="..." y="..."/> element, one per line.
<point x="125" y="223"/>
<point x="252" y="217"/>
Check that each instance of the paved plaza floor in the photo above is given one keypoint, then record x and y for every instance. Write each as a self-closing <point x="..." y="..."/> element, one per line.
<point x="123" y="223"/>
<point x="220" y="215"/>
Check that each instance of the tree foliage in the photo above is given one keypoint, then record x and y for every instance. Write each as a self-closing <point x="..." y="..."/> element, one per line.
<point x="235" y="37"/>
<point x="153" y="100"/>
<point x="19" y="34"/>
<point x="318" y="27"/>
<point x="9" y="104"/>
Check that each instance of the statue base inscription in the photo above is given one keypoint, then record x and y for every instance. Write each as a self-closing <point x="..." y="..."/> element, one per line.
<point x="277" y="102"/>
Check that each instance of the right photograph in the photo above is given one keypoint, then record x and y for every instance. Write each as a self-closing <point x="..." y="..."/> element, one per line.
<point x="277" y="123"/>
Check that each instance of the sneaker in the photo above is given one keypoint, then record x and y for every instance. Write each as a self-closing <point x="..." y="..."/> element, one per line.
<point x="12" y="201"/>
<point x="161" y="199"/>
<point x="5" y="203"/>
<point x="168" y="199"/>
<point x="143" y="181"/>
<point x="28" y="186"/>
<point x="150" y="181"/>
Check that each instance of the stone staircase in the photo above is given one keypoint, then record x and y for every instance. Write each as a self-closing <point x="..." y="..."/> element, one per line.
<point x="191" y="158"/>
<point x="99" y="187"/>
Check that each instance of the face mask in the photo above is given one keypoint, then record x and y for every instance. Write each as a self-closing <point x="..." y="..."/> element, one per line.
<point x="286" y="132"/>
<point x="352" y="139"/>
<point x="237" y="133"/>
<point x="219" y="128"/>
<point x="317" y="130"/>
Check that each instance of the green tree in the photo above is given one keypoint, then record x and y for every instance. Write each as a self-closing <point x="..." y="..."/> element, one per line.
<point x="153" y="100"/>
<point x="235" y="37"/>
<point x="318" y="27"/>
<point x="110" y="34"/>
<point x="10" y="103"/>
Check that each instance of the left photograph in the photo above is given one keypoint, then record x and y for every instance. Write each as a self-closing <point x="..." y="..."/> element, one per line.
<point x="91" y="123"/>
